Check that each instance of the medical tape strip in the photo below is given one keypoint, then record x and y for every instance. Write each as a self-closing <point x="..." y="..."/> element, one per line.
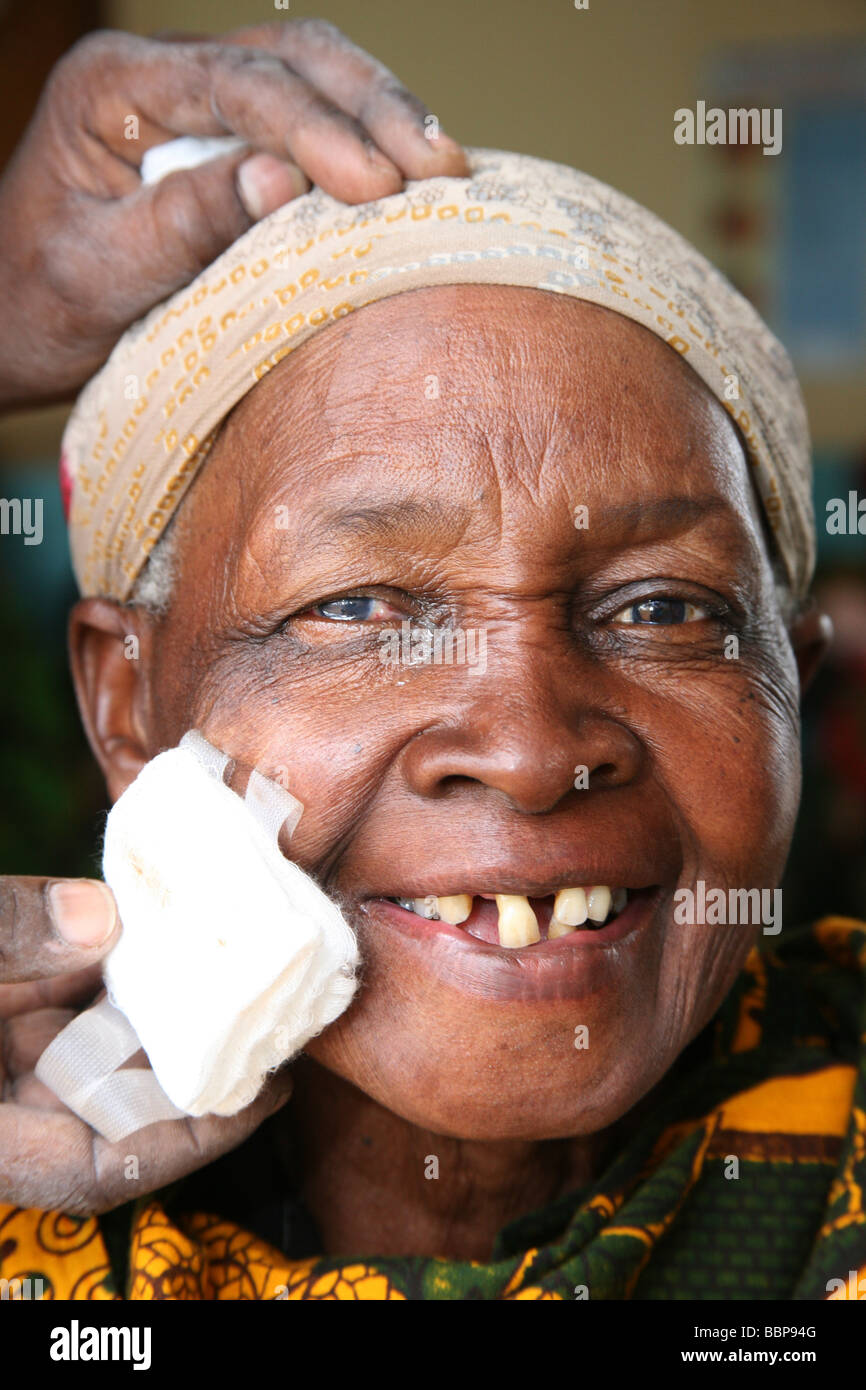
<point x="272" y="806"/>
<point x="212" y="759"/>
<point x="81" y="1064"/>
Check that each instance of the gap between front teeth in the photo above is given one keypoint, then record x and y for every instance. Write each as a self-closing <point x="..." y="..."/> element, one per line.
<point x="518" y="924"/>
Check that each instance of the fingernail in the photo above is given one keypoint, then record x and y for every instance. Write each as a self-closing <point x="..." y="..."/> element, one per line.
<point x="84" y="912"/>
<point x="265" y="183"/>
<point x="444" y="147"/>
<point x="380" y="160"/>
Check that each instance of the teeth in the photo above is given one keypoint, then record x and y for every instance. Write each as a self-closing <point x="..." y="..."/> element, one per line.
<point x="598" y="902"/>
<point x="569" y="908"/>
<point x="518" y="924"/>
<point x="456" y="909"/>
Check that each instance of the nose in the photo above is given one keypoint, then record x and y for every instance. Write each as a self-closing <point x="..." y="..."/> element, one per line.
<point x="533" y="732"/>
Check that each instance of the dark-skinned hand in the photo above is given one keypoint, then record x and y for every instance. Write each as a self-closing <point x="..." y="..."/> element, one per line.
<point x="88" y="249"/>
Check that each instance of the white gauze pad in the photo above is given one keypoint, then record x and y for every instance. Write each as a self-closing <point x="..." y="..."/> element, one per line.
<point x="230" y="957"/>
<point x="186" y="152"/>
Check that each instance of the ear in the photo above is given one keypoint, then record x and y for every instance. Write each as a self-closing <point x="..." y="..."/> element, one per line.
<point x="109" y="648"/>
<point x="811" y="634"/>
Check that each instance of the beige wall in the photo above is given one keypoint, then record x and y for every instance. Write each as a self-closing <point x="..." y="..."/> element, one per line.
<point x="594" y="88"/>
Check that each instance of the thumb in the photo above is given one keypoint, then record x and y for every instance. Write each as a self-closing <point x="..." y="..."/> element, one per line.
<point x="178" y="226"/>
<point x="265" y="183"/>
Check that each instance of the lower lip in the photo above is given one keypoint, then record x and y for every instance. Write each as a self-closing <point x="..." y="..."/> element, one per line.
<point x="569" y="967"/>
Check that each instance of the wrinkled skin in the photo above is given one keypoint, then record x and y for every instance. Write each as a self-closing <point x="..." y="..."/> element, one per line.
<point x="445" y="779"/>
<point x="311" y="106"/>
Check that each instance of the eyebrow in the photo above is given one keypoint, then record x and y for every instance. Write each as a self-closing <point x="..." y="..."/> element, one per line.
<point x="389" y="518"/>
<point x="681" y="512"/>
<point x="392" y="521"/>
<point x="409" y="514"/>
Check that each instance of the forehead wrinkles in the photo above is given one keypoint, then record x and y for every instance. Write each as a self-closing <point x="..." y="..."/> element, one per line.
<point x="570" y="403"/>
<point x="519" y="391"/>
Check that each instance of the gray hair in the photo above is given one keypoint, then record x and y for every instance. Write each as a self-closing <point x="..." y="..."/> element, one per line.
<point x="154" y="587"/>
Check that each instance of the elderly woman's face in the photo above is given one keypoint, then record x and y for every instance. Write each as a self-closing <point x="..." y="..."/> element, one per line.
<point x="554" y="482"/>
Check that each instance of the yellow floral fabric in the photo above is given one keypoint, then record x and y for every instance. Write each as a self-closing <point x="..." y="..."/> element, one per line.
<point x="748" y="1183"/>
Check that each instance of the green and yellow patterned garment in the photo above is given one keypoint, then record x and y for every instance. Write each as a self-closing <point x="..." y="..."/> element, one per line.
<point x="746" y="1183"/>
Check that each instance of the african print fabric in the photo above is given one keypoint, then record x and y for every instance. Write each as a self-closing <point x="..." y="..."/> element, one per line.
<point x="747" y="1183"/>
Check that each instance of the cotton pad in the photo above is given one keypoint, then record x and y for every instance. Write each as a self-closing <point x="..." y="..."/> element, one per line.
<point x="230" y="957"/>
<point x="186" y="152"/>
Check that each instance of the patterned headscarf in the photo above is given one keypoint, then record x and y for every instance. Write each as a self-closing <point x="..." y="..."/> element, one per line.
<point x="144" y="425"/>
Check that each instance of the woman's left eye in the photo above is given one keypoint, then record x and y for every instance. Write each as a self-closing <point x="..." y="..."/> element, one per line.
<point x="360" y="608"/>
<point x="661" y="612"/>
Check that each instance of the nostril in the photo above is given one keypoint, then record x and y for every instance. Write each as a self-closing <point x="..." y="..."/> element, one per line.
<point x="456" y="782"/>
<point x="606" y="774"/>
<point x="531" y="761"/>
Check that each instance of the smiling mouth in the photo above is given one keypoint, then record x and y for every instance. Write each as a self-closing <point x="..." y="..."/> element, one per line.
<point x="515" y="920"/>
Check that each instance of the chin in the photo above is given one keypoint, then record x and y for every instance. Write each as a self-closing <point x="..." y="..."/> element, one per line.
<point x="498" y="1099"/>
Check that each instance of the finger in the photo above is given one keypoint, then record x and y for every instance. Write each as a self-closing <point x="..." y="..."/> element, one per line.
<point x="46" y="1159"/>
<point x="26" y="1037"/>
<point x="366" y="89"/>
<point x="58" y="991"/>
<point x="182" y="223"/>
<point x="53" y="926"/>
<point x="174" y="1148"/>
<point x="265" y="184"/>
<point x="214" y="89"/>
<point x="29" y="1092"/>
<point x="277" y="110"/>
<point x="360" y="85"/>
<point x="262" y="181"/>
<point x="53" y="1161"/>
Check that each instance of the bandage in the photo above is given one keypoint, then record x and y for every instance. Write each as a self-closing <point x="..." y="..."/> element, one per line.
<point x="230" y="958"/>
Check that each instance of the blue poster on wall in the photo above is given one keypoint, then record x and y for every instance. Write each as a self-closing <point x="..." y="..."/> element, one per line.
<point x="820" y="307"/>
<point x="790" y="230"/>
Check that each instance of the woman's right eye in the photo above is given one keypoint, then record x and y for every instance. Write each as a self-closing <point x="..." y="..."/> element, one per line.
<point x="353" y="608"/>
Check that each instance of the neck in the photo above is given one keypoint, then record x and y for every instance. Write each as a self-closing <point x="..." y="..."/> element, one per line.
<point x="376" y="1184"/>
